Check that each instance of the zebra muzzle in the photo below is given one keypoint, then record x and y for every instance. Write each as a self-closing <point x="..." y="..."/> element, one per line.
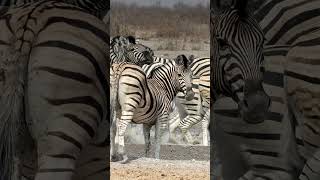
<point x="255" y="107"/>
<point x="189" y="95"/>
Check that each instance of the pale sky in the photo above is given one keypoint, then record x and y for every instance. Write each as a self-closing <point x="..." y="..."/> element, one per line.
<point x="168" y="3"/>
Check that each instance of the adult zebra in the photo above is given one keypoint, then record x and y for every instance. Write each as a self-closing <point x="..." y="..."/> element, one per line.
<point x="296" y="24"/>
<point x="53" y="78"/>
<point x="266" y="150"/>
<point x="237" y="56"/>
<point x="146" y="101"/>
<point x="197" y="109"/>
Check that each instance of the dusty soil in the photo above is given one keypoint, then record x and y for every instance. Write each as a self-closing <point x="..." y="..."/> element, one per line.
<point x="146" y="169"/>
<point x="177" y="162"/>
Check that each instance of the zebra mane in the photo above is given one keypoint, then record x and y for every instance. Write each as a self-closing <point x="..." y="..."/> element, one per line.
<point x="241" y="7"/>
<point x="222" y="6"/>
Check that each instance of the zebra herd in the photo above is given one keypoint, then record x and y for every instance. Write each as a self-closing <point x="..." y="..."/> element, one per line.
<point x="146" y="95"/>
<point x="54" y="77"/>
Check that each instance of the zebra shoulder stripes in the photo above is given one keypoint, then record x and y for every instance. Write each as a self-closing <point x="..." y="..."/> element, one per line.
<point x="296" y="25"/>
<point x="54" y="85"/>
<point x="147" y="101"/>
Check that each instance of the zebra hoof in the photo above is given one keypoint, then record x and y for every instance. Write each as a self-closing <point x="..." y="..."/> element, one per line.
<point x="124" y="160"/>
<point x="195" y="142"/>
<point x="173" y="141"/>
<point x="115" y="158"/>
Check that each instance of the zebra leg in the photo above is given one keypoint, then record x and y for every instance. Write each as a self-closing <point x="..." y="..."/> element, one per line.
<point x="174" y="120"/>
<point x="113" y="148"/>
<point x="186" y="124"/>
<point x="161" y="125"/>
<point x="146" y="132"/>
<point x="205" y="125"/>
<point x="122" y="125"/>
<point x="17" y="168"/>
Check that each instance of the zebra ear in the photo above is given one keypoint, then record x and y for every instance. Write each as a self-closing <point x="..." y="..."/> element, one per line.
<point x="182" y="60"/>
<point x="131" y="39"/>
<point x="191" y="58"/>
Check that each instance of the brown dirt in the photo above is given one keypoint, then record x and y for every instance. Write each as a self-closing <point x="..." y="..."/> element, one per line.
<point x="147" y="168"/>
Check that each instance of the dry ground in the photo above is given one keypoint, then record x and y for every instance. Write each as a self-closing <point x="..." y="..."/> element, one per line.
<point x="146" y="169"/>
<point x="177" y="163"/>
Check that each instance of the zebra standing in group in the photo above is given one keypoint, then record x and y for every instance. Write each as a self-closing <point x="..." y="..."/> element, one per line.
<point x="146" y="101"/>
<point x="54" y="62"/>
<point x="197" y="109"/>
<point x="237" y="73"/>
<point x="296" y="24"/>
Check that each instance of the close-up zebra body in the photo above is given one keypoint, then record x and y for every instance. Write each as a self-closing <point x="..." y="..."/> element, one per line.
<point x="53" y="62"/>
<point x="291" y="80"/>
<point x="235" y="70"/>
<point x="295" y="24"/>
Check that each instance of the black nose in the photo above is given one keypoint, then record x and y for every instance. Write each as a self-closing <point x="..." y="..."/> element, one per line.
<point x="255" y="107"/>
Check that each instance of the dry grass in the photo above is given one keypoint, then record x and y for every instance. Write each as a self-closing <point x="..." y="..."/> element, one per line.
<point x="180" y="22"/>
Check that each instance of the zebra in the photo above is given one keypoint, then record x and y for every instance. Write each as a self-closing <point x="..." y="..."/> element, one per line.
<point x="236" y="69"/>
<point x="146" y="101"/>
<point x="266" y="150"/>
<point x="197" y="109"/>
<point x="296" y="24"/>
<point x="61" y="105"/>
<point x="98" y="8"/>
<point x="122" y="50"/>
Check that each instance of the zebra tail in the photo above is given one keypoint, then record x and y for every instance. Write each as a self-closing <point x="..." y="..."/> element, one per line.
<point x="11" y="116"/>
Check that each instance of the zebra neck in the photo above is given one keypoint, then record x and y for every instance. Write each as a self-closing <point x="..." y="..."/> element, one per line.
<point x="165" y="86"/>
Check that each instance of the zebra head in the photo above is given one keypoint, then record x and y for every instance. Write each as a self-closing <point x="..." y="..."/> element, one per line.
<point x="236" y="52"/>
<point x="121" y="50"/>
<point x="185" y="76"/>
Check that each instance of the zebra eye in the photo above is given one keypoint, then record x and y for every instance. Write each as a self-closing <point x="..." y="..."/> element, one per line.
<point x="262" y="69"/>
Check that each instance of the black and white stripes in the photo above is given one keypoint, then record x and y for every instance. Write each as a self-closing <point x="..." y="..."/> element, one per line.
<point x="55" y="60"/>
<point x="147" y="101"/>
